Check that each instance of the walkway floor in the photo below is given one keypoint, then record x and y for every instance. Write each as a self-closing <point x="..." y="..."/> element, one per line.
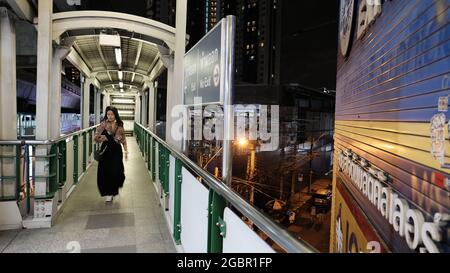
<point x="134" y="222"/>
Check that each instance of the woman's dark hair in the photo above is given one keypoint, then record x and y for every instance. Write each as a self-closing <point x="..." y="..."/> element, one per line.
<point x="116" y="114"/>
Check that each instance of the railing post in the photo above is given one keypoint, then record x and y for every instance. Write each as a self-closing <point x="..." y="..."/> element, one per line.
<point x="18" y="181"/>
<point x="53" y="175"/>
<point x="160" y="169"/>
<point x="62" y="162"/>
<point x="177" y="202"/>
<point x="84" y="152"/>
<point x="75" y="159"/>
<point x="216" y="207"/>
<point x="148" y="152"/>
<point x="153" y="160"/>
<point x="166" y="170"/>
<point x="27" y="177"/>
<point x="90" y="141"/>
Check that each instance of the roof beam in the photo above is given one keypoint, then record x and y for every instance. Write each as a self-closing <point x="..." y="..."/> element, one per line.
<point x="75" y="59"/>
<point x="157" y="70"/>
<point x="138" y="54"/>
<point x="65" y="21"/>
<point x="125" y="70"/>
<point x="101" y="53"/>
<point x="80" y="52"/>
<point x="109" y="75"/>
<point x="23" y="9"/>
<point x="152" y="65"/>
<point x="124" y="84"/>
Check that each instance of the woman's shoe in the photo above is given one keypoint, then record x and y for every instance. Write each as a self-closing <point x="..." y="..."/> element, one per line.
<point x="108" y="198"/>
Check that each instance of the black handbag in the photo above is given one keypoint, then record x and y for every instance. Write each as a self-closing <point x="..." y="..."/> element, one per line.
<point x="98" y="153"/>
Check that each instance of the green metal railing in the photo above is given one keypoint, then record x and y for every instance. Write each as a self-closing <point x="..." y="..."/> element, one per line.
<point x="220" y="196"/>
<point x="49" y="155"/>
<point x="11" y="173"/>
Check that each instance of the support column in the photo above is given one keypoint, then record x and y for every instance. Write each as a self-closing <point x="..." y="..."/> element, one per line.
<point x="106" y="100"/>
<point x="152" y="106"/>
<point x="8" y="103"/>
<point x="10" y="215"/>
<point x="144" y="108"/>
<point x="59" y="54"/>
<point x="137" y="109"/>
<point x="175" y="80"/>
<point x="85" y="102"/>
<point x="45" y="114"/>
<point x="44" y="69"/>
<point x="97" y="106"/>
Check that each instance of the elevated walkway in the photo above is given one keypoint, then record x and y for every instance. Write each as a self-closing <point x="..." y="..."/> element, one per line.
<point x="134" y="222"/>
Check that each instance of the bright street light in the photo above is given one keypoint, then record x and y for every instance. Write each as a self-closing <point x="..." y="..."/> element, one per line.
<point x="242" y="142"/>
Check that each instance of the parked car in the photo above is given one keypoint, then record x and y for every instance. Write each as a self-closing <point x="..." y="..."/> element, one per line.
<point x="322" y="200"/>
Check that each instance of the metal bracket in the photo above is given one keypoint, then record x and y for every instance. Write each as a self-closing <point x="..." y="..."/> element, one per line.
<point x="222" y="227"/>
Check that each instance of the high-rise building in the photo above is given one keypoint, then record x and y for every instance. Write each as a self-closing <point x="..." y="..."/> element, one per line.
<point x="161" y="10"/>
<point x="256" y="41"/>
<point x="256" y="48"/>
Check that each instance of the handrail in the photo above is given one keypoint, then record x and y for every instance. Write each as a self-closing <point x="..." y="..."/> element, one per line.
<point x="44" y="142"/>
<point x="275" y="232"/>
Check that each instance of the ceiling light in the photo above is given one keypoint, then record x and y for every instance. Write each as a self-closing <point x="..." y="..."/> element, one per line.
<point x="121" y="90"/>
<point x="120" y="75"/>
<point x="118" y="52"/>
<point x="121" y="84"/>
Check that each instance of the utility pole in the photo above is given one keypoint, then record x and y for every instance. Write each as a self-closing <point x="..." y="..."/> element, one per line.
<point x="310" y="164"/>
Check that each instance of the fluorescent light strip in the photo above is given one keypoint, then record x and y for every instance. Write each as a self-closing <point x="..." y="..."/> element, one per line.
<point x="118" y="52"/>
<point x="123" y="101"/>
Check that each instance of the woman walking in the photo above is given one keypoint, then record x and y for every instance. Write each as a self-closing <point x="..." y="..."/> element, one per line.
<point x="110" y="173"/>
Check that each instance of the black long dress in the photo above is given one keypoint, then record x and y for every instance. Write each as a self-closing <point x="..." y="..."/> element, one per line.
<point x="110" y="173"/>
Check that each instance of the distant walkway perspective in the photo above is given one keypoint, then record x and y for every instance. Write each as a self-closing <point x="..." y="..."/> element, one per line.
<point x="133" y="222"/>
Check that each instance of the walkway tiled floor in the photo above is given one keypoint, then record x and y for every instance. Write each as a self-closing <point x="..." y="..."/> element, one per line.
<point x="134" y="222"/>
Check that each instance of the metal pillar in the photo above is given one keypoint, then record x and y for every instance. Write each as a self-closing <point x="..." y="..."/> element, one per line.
<point x="137" y="109"/>
<point x="85" y="102"/>
<point x="228" y="103"/>
<point x="44" y="69"/>
<point x="97" y="106"/>
<point x="59" y="53"/>
<point x="10" y="215"/>
<point x="144" y="109"/>
<point x="175" y="80"/>
<point x="152" y="107"/>
<point x="8" y="104"/>
<point x="106" y="100"/>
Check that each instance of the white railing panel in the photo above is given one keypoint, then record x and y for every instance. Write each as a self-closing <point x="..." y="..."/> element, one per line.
<point x="194" y="214"/>
<point x="240" y="238"/>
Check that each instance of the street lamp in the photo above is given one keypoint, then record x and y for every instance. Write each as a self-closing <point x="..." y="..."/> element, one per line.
<point x="242" y="142"/>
